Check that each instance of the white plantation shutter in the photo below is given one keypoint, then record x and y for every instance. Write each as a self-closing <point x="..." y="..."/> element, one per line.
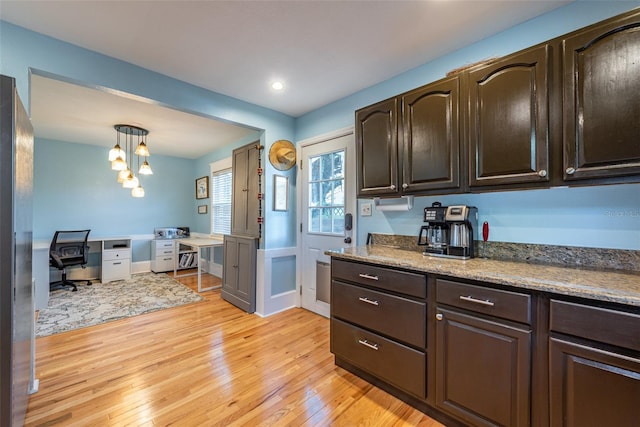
<point x="221" y="201"/>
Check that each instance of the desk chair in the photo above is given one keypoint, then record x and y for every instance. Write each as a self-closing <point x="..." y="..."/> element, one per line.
<point x="68" y="248"/>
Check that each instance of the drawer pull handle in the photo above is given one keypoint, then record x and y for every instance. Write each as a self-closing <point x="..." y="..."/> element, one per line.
<point x="368" y="344"/>
<point x="167" y="259"/>
<point x="117" y="263"/>
<point x="477" y="301"/>
<point x="368" y="276"/>
<point x="368" y="301"/>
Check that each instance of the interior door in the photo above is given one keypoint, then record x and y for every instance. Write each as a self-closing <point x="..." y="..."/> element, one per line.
<point x="328" y="198"/>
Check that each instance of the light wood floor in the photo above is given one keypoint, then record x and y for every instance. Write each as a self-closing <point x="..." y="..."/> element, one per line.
<point x="205" y="364"/>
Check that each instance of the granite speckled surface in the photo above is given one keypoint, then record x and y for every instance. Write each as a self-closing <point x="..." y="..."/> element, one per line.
<point x="617" y="286"/>
<point x="569" y="256"/>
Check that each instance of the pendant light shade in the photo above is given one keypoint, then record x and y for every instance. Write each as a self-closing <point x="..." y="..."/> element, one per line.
<point x="142" y="150"/>
<point x="131" y="181"/>
<point x="145" y="169"/>
<point x="118" y="157"/>
<point x="119" y="164"/>
<point x="138" y="191"/>
<point x="122" y="175"/>
<point x="116" y="152"/>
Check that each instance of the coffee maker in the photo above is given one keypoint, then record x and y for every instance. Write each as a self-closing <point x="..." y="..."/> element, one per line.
<point x="449" y="231"/>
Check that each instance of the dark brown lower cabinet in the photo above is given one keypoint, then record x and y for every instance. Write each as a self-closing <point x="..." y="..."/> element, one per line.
<point x="592" y="387"/>
<point x="397" y="364"/>
<point x="482" y="370"/>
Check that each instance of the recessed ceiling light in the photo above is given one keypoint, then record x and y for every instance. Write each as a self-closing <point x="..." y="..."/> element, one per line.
<point x="277" y="85"/>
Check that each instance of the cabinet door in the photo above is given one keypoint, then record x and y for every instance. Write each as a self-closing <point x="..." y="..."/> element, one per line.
<point x="602" y="101"/>
<point x="508" y="120"/>
<point x="377" y="149"/>
<point x="431" y="143"/>
<point x="245" y="205"/>
<point x="240" y="162"/>
<point x="482" y="370"/>
<point x="230" y="265"/>
<point x="592" y="387"/>
<point x="239" y="272"/>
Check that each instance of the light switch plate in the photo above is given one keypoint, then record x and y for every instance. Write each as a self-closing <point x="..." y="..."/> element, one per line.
<point x="365" y="209"/>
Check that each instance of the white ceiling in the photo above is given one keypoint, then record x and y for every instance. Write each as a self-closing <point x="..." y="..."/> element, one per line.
<point x="323" y="50"/>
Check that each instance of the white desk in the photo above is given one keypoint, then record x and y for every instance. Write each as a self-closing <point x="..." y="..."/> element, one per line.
<point x="115" y="264"/>
<point x="196" y="244"/>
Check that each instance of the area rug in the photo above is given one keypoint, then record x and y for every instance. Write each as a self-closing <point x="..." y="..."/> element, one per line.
<point x="100" y="303"/>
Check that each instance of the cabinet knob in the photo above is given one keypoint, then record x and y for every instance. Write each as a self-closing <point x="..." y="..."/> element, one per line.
<point x="405" y="186"/>
<point x="570" y="171"/>
<point x="439" y="316"/>
<point x="542" y="173"/>
<point x="393" y="187"/>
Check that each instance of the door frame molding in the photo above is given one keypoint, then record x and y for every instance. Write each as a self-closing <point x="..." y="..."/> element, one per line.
<point x="299" y="208"/>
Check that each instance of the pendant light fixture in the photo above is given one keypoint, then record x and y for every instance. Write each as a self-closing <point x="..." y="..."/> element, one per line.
<point x="118" y="157"/>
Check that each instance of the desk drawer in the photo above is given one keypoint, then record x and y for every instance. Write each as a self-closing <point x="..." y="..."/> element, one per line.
<point x="116" y="270"/>
<point x="162" y="264"/>
<point x="392" y="362"/>
<point x="161" y="252"/>
<point x="404" y="282"/>
<point x="400" y="318"/>
<point x="164" y="244"/>
<point x="495" y="302"/>
<point x="115" y="254"/>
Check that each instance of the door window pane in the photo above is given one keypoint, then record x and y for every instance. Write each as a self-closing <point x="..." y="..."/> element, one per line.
<point x="326" y="193"/>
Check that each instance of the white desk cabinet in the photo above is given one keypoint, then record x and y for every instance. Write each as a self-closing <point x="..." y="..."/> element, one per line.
<point x="116" y="260"/>
<point x="162" y="255"/>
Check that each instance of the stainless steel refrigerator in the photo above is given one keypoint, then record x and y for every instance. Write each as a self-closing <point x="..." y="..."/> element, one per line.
<point x="16" y="229"/>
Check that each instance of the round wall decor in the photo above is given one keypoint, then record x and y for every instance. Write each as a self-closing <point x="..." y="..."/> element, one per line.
<point x="282" y="155"/>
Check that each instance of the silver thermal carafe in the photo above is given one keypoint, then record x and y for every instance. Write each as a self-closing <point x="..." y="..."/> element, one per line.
<point x="449" y="231"/>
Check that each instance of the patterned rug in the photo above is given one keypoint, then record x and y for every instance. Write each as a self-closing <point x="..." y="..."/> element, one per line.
<point x="100" y="303"/>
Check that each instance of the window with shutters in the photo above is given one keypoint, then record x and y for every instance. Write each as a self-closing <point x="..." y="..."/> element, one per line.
<point x="221" y="187"/>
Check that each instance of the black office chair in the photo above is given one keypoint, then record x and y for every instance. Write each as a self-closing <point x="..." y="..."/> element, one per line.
<point x="68" y="248"/>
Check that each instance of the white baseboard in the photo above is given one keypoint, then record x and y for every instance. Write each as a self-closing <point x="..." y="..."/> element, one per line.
<point x="140" y="267"/>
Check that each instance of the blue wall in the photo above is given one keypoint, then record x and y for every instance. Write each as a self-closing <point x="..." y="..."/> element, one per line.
<point x="23" y="51"/>
<point x="600" y="216"/>
<point x="606" y="216"/>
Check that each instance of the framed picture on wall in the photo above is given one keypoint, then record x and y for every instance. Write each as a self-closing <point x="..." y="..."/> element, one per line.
<point x="202" y="188"/>
<point x="202" y="209"/>
<point x="280" y="192"/>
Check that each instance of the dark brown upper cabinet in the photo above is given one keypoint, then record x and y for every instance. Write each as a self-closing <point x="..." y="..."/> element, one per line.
<point x="601" y="100"/>
<point x="410" y="143"/>
<point x="377" y="149"/>
<point x="509" y="120"/>
<point x="431" y="137"/>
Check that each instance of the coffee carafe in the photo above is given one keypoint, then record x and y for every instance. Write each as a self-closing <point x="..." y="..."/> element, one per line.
<point x="463" y="222"/>
<point x="435" y="234"/>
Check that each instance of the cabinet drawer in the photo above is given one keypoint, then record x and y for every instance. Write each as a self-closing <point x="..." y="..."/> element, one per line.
<point x="164" y="244"/>
<point x="161" y="252"/>
<point x="116" y="270"/>
<point x="394" y="363"/>
<point x="413" y="284"/>
<point x="397" y="317"/>
<point x="599" y="324"/>
<point x="162" y="263"/>
<point x="495" y="302"/>
<point x="115" y="254"/>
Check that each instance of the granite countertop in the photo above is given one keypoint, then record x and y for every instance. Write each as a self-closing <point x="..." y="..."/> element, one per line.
<point x="605" y="285"/>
